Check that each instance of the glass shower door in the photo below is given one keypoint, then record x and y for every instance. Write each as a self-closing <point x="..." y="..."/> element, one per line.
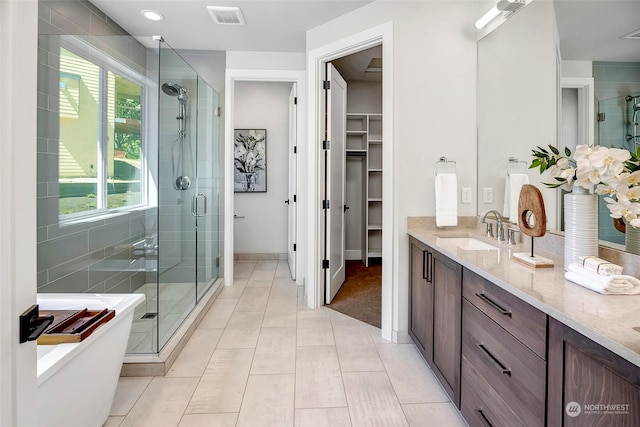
<point x="612" y="132"/>
<point x="178" y="102"/>
<point x="206" y="200"/>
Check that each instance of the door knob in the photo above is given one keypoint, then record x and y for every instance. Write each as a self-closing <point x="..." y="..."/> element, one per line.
<point x="287" y="201"/>
<point x="346" y="207"/>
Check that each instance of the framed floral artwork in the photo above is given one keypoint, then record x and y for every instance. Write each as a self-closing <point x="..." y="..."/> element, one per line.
<point x="249" y="159"/>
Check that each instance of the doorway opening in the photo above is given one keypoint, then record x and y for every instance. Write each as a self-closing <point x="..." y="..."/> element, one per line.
<point x="353" y="185"/>
<point x="264" y="172"/>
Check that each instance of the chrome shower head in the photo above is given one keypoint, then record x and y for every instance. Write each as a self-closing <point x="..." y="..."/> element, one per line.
<point x="174" y="89"/>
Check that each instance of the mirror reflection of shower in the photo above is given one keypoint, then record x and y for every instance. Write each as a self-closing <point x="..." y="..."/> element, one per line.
<point x="633" y="102"/>
<point x="181" y="180"/>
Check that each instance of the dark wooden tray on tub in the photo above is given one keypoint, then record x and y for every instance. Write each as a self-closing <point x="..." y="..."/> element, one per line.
<point x="71" y="326"/>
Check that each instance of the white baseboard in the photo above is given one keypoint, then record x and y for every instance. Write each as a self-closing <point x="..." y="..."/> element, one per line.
<point x="353" y="254"/>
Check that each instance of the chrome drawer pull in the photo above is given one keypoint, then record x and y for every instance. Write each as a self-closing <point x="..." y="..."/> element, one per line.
<point x="499" y="365"/>
<point x="494" y="304"/>
<point x="483" y="418"/>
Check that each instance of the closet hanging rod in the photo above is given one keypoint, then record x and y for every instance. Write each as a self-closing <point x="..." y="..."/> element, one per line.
<point x="357" y="153"/>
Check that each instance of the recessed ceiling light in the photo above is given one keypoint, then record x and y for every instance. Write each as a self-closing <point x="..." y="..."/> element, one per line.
<point x="226" y="15"/>
<point x="152" y="15"/>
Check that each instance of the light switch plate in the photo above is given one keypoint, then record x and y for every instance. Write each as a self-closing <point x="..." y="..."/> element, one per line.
<point x="487" y="195"/>
<point x="466" y="195"/>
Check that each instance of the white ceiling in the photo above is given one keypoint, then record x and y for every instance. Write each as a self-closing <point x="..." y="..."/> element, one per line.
<point x="591" y="30"/>
<point x="270" y="25"/>
<point x="588" y="29"/>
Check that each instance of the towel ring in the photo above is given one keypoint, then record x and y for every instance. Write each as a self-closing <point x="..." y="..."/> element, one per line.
<point x="514" y="165"/>
<point x="443" y="163"/>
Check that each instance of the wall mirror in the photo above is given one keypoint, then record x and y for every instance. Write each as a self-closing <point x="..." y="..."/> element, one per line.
<point x="521" y="68"/>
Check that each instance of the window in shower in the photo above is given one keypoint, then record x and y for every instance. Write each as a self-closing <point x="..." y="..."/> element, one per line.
<point x="101" y="135"/>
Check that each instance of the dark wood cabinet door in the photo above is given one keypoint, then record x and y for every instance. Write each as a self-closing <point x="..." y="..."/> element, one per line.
<point x="421" y="299"/>
<point x="588" y="384"/>
<point x="447" y="316"/>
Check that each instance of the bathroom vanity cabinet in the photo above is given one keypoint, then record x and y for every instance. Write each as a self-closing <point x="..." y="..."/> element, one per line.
<point x="503" y="357"/>
<point x="435" y="319"/>
<point x="588" y="374"/>
<point x="505" y="361"/>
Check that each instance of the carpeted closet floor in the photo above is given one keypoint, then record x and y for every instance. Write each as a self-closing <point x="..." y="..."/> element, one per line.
<point x="361" y="295"/>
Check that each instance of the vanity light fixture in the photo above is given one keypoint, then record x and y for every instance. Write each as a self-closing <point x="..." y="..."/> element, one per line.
<point x="502" y="6"/>
<point x="152" y="15"/>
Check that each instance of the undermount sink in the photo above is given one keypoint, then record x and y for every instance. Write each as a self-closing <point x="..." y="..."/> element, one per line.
<point x="467" y="243"/>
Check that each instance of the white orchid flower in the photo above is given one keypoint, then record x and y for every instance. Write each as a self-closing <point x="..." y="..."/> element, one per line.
<point x="609" y="161"/>
<point x="605" y="189"/>
<point x="632" y="179"/>
<point x="623" y="209"/>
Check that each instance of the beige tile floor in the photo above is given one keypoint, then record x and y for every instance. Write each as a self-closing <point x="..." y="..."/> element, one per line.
<point x="261" y="358"/>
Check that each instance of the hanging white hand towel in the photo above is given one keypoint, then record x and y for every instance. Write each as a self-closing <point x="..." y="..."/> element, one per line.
<point x="618" y="284"/>
<point x="512" y="186"/>
<point x="446" y="199"/>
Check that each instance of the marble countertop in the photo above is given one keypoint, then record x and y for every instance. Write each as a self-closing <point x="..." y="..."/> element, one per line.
<point x="606" y="319"/>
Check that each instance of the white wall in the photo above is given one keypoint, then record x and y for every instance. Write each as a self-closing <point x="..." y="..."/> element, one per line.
<point x="433" y="109"/>
<point x="364" y="97"/>
<point x="265" y="60"/>
<point x="264" y="105"/>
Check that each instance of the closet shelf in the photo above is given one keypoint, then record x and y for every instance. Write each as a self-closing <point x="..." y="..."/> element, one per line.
<point x="364" y="138"/>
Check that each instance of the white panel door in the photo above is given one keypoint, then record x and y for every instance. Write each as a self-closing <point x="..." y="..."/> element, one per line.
<point x="293" y="168"/>
<point x="335" y="182"/>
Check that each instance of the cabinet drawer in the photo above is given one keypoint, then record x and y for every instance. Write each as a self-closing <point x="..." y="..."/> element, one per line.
<point x="526" y="323"/>
<point x="514" y="371"/>
<point x="481" y="405"/>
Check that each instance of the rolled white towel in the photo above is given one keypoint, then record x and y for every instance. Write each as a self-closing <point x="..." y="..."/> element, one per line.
<point x="609" y="285"/>
<point x="601" y="266"/>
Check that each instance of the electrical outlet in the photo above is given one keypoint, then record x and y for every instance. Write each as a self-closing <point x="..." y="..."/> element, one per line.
<point x="487" y="195"/>
<point x="466" y="195"/>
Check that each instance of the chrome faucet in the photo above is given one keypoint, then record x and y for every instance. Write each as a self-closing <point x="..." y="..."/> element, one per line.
<point x="499" y="227"/>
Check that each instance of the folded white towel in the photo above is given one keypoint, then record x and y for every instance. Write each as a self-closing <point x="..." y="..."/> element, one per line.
<point x="610" y="285"/>
<point x="446" y="199"/>
<point x="512" y="186"/>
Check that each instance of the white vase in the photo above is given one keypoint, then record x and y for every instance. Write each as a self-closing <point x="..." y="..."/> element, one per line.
<point x="580" y="225"/>
<point x="632" y="240"/>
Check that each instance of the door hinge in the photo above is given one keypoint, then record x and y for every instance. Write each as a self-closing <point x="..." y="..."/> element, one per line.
<point x="325" y="263"/>
<point x="295" y="100"/>
<point x="295" y="198"/>
<point x="326" y="85"/>
<point x="325" y="204"/>
<point x="217" y="111"/>
<point x="326" y="145"/>
<point x="294" y="247"/>
<point x="601" y="117"/>
<point x="217" y="261"/>
<point x="295" y="149"/>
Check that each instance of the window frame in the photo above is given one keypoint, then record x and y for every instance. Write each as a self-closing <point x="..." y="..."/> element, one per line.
<point x="107" y="64"/>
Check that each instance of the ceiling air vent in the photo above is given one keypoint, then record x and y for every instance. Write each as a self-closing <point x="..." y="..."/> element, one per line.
<point x="633" y="35"/>
<point x="226" y="15"/>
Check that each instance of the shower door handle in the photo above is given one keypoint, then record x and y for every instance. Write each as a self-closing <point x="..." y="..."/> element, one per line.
<point x="194" y="205"/>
